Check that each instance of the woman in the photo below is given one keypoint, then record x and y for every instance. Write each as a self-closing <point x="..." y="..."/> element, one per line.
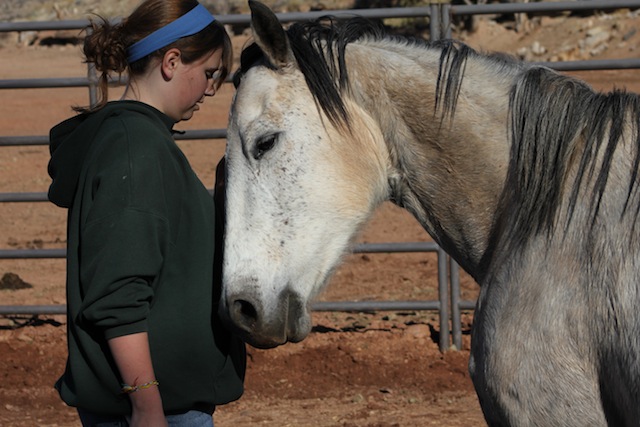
<point x="145" y="345"/>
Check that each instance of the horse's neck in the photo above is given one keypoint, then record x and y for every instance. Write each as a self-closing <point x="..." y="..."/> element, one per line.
<point x="448" y="174"/>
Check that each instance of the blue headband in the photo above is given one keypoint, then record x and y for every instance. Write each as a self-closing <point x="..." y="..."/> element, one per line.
<point x="188" y="24"/>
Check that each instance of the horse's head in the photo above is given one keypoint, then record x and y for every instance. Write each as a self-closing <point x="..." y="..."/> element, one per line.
<point x="297" y="191"/>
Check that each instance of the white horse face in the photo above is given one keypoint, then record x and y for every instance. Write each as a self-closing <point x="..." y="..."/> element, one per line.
<point x="290" y="214"/>
<point x="296" y="193"/>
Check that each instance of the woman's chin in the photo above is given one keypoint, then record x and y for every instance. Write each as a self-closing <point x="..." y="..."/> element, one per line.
<point x="187" y="115"/>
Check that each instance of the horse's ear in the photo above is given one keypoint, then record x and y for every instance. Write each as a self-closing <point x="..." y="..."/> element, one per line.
<point x="269" y="35"/>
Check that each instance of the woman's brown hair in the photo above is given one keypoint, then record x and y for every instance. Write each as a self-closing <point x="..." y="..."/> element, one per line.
<point x="106" y="43"/>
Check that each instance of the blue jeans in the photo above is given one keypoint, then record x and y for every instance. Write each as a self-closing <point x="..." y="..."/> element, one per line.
<point x="188" y="419"/>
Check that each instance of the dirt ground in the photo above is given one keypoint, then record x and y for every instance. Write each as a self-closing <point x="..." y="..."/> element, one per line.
<point x="355" y="369"/>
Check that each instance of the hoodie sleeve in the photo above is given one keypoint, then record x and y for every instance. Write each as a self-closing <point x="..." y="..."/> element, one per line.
<point x="125" y="234"/>
<point x="122" y="256"/>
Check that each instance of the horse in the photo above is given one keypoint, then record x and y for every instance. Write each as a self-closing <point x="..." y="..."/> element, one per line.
<point x="528" y="178"/>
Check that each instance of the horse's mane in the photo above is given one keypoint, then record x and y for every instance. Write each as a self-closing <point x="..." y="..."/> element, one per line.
<point x="319" y="49"/>
<point x="556" y="121"/>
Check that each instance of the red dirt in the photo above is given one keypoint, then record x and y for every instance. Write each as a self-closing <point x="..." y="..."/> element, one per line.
<point x="355" y="369"/>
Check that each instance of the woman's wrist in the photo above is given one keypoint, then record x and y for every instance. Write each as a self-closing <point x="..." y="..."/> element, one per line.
<point x="147" y="400"/>
<point x="128" y="389"/>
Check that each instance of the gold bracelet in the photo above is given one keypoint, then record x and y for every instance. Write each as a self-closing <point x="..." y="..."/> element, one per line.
<point x="128" y="389"/>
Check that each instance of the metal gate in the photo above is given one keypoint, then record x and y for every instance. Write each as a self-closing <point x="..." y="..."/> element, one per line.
<point x="448" y="305"/>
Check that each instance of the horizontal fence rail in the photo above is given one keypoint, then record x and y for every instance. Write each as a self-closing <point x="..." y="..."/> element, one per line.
<point x="439" y="13"/>
<point x="543" y="7"/>
<point x="441" y="305"/>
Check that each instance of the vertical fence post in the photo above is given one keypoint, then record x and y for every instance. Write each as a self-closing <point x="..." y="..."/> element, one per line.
<point x="443" y="296"/>
<point x="93" y="78"/>
<point x="440" y="19"/>
<point x="456" y="322"/>
<point x="445" y="20"/>
<point x="93" y="84"/>
<point x="434" y="22"/>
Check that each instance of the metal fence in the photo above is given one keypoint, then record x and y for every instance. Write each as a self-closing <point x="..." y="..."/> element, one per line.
<point x="440" y="14"/>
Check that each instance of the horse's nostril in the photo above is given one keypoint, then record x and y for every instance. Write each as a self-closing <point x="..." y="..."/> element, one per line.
<point x="245" y="312"/>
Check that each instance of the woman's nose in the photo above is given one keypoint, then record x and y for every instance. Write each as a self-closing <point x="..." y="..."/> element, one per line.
<point x="211" y="89"/>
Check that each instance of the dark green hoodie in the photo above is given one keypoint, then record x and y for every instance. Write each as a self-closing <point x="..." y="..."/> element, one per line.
<point x="140" y="258"/>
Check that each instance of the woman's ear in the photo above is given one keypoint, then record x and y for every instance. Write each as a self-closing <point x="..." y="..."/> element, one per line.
<point x="170" y="62"/>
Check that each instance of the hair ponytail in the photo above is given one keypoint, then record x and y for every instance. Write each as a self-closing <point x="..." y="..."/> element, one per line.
<point x="105" y="46"/>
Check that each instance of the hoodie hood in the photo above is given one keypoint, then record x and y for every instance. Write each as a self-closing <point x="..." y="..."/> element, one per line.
<point x="71" y="141"/>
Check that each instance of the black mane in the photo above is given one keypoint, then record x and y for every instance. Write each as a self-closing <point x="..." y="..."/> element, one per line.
<point x="319" y="49"/>
<point x="559" y="123"/>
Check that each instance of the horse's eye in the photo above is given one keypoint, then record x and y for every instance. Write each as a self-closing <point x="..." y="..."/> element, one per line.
<point x="263" y="145"/>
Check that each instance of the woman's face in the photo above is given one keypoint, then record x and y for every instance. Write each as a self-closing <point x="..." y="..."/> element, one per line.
<point x="194" y="81"/>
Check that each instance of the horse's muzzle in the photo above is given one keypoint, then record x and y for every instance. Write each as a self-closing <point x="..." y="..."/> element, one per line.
<point x="267" y="324"/>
